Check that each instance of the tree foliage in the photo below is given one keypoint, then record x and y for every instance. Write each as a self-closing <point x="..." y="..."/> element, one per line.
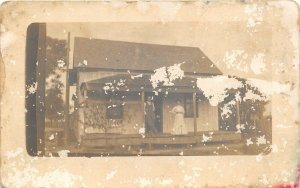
<point x="250" y="110"/>
<point x="56" y="55"/>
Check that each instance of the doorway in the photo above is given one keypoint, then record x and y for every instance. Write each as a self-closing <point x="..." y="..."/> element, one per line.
<point x="158" y="105"/>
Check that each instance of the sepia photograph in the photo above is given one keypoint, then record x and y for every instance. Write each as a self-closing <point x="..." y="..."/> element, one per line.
<point x="109" y="95"/>
<point x="142" y="94"/>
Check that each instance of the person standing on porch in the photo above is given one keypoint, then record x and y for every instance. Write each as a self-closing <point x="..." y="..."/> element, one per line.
<point x="149" y="116"/>
<point x="179" y="127"/>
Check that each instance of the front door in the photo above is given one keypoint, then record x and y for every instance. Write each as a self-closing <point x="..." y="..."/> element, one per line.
<point x="158" y="105"/>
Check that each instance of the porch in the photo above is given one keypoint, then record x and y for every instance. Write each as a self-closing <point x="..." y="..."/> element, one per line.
<point x="118" y="91"/>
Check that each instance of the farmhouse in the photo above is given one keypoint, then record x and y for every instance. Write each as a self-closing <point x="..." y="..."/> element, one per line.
<point x="113" y="80"/>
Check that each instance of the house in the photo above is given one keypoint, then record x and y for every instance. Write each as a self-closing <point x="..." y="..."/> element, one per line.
<point x="113" y="80"/>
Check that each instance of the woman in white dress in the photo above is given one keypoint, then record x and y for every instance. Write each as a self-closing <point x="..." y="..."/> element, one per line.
<point x="179" y="127"/>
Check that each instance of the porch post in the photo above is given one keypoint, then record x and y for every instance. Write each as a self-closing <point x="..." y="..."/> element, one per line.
<point x="238" y="117"/>
<point x="195" y="115"/>
<point x="67" y="106"/>
<point x="143" y="108"/>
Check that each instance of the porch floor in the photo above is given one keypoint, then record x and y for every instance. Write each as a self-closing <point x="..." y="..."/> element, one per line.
<point x="165" y="150"/>
<point x="98" y="140"/>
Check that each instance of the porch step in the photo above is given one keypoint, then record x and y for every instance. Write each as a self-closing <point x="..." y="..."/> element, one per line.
<point x="109" y="140"/>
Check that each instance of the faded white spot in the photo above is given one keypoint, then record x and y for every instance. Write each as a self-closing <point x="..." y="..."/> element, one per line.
<point x="142" y="130"/>
<point x="63" y="153"/>
<point x="22" y="174"/>
<point x="249" y="142"/>
<point x="143" y="182"/>
<point x="258" y="157"/>
<point x="236" y="59"/>
<point x="269" y="88"/>
<point x="250" y="95"/>
<point x="166" y="75"/>
<point x="255" y="15"/>
<point x="32" y="88"/>
<point x="142" y="6"/>
<point x="56" y="178"/>
<point x="83" y="63"/>
<point x="264" y="180"/>
<point x="168" y="10"/>
<point x="61" y="63"/>
<point x="206" y="138"/>
<point x="137" y="76"/>
<point x="118" y="4"/>
<point x="261" y="140"/>
<point x="51" y="137"/>
<point x="226" y="110"/>
<point x="274" y="148"/>
<point x="258" y="65"/>
<point x="13" y="62"/>
<point x="187" y="178"/>
<point x="111" y="175"/>
<point x="215" y="88"/>
<point x="7" y="39"/>
<point x="14" y="153"/>
<point x="240" y="127"/>
<point x="181" y="163"/>
<point x="165" y="182"/>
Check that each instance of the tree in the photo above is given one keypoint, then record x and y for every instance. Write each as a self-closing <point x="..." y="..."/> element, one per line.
<point x="251" y="110"/>
<point x="56" y="55"/>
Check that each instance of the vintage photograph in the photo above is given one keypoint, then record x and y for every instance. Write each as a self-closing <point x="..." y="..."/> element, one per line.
<point x="123" y="89"/>
<point x="142" y="94"/>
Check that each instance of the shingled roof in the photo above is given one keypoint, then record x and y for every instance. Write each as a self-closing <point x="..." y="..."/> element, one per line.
<point x="119" y="55"/>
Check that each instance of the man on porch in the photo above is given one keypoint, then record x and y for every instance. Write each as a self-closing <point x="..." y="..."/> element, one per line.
<point x="149" y="116"/>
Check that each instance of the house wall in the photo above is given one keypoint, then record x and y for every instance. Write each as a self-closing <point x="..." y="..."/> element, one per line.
<point x="79" y="125"/>
<point x="206" y="121"/>
<point x="132" y="119"/>
<point x="131" y="122"/>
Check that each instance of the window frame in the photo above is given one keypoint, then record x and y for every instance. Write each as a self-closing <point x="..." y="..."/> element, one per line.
<point x="114" y="100"/>
<point x="188" y="101"/>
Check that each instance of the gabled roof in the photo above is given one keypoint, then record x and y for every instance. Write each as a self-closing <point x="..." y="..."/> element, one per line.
<point x="119" y="55"/>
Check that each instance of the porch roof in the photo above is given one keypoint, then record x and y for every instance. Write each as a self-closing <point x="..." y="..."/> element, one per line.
<point x="126" y="82"/>
<point x="120" y="55"/>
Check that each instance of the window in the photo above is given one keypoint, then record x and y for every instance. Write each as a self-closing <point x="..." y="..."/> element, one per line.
<point x="188" y="106"/>
<point x="114" y="109"/>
